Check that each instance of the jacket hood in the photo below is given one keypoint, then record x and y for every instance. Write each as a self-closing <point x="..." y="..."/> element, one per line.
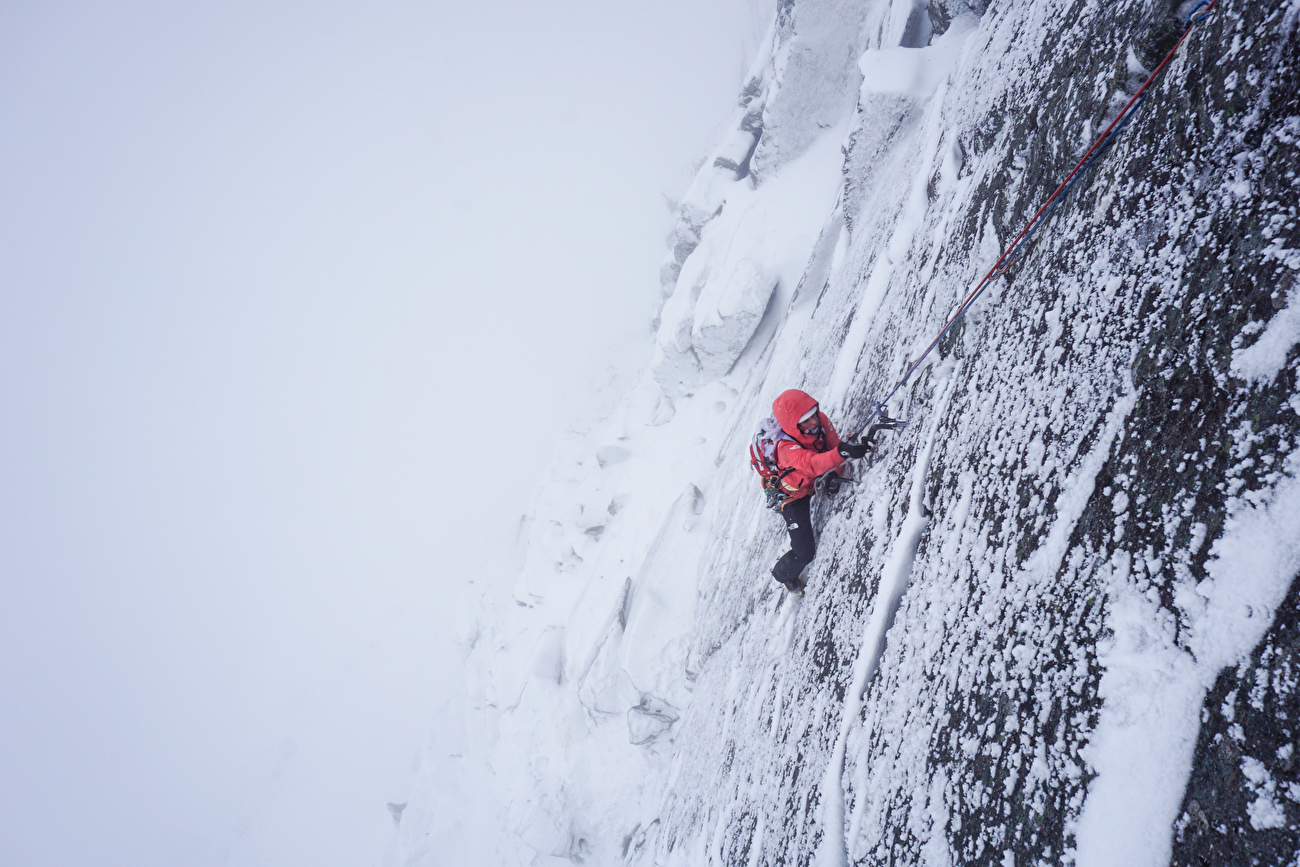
<point x="790" y="406"/>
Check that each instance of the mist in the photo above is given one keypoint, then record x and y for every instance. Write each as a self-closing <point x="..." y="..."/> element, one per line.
<point x="297" y="299"/>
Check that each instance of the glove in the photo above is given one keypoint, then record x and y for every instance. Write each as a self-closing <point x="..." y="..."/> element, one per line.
<point x="853" y="450"/>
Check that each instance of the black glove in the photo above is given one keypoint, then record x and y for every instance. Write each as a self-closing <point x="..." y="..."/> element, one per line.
<point x="853" y="450"/>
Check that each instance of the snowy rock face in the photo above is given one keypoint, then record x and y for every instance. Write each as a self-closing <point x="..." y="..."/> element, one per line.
<point x="1056" y="621"/>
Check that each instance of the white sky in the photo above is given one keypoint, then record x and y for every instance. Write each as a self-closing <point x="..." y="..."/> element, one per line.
<point x="295" y="299"/>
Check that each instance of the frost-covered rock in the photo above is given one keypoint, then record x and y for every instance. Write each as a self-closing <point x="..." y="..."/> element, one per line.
<point x="727" y="314"/>
<point x="649" y="720"/>
<point x="1055" y="621"/>
<point x="812" y="70"/>
<point x="942" y="12"/>
<point x="750" y="259"/>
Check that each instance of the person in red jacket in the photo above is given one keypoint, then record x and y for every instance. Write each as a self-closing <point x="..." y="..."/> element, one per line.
<point x="812" y="450"/>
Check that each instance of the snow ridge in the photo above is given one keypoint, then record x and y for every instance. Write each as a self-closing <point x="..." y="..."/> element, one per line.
<point x="898" y="568"/>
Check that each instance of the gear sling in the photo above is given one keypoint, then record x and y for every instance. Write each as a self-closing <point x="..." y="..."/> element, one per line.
<point x="762" y="457"/>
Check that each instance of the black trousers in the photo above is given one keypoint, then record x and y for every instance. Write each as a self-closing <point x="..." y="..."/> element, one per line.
<point x="798" y="520"/>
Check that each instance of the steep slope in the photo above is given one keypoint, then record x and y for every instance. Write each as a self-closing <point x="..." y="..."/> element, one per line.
<point x="1091" y="524"/>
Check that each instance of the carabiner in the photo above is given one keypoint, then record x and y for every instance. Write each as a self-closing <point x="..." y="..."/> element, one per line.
<point x="1190" y="20"/>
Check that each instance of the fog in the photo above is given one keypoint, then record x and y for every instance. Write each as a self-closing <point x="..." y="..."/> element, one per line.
<point x="296" y="300"/>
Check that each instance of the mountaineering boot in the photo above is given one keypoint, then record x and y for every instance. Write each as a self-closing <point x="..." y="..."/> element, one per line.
<point x="793" y="585"/>
<point x="832" y="483"/>
<point x="796" y="585"/>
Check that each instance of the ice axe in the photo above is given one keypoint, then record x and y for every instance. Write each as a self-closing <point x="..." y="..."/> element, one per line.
<point x="884" y="423"/>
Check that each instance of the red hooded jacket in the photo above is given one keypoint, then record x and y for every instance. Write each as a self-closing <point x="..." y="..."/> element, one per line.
<point x="811" y="455"/>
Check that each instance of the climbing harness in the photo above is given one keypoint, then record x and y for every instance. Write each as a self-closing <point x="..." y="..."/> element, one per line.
<point x="1101" y="144"/>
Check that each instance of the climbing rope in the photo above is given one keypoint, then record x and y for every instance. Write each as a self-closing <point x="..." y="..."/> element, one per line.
<point x="1040" y="217"/>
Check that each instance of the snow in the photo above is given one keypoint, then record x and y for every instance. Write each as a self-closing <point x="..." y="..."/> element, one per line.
<point x="810" y="79"/>
<point x="1263" y="359"/>
<point x="577" y="681"/>
<point x="750" y="256"/>
<point x="833" y="851"/>
<point x="914" y="72"/>
<point x="983" y="649"/>
<point x="1141" y="749"/>
<point x="1153" y="688"/>
<point x="1264" y="811"/>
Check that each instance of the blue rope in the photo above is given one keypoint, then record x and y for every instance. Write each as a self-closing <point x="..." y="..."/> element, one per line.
<point x="1004" y="261"/>
<point x="1198" y="18"/>
<point x="1106" y="143"/>
<point x="1009" y="255"/>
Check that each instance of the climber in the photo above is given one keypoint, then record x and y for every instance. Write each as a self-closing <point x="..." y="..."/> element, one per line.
<point x="809" y="449"/>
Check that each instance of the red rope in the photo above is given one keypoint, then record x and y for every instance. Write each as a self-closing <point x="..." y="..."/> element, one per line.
<point x="998" y="266"/>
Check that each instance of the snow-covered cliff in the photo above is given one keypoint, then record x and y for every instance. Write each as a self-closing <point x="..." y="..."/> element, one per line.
<point x="1056" y="622"/>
